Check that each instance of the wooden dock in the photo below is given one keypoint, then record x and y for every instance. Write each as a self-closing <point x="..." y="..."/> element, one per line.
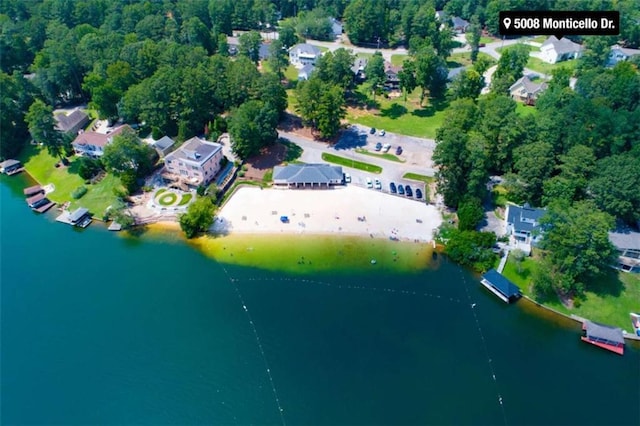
<point x="79" y="218"/>
<point x="43" y="208"/>
<point x="33" y="190"/>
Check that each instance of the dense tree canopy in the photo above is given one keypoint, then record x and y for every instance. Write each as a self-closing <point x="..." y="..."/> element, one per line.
<point x="252" y="127"/>
<point x="198" y="218"/>
<point x="127" y="154"/>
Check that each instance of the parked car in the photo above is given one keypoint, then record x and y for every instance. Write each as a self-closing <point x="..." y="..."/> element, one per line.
<point x="408" y="191"/>
<point x="382" y="133"/>
<point x="369" y="183"/>
<point x="378" y="146"/>
<point x="372" y="131"/>
<point x="399" y="150"/>
<point x="386" y="147"/>
<point x="400" y="190"/>
<point x="377" y="184"/>
<point x="392" y="188"/>
<point x="347" y="178"/>
<point x="418" y="193"/>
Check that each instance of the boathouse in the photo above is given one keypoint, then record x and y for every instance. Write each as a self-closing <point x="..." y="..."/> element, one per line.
<point x="10" y="167"/>
<point x="39" y="203"/>
<point x="80" y="217"/>
<point x="307" y="175"/>
<point x="604" y="336"/>
<point x="501" y="286"/>
<point x="33" y="190"/>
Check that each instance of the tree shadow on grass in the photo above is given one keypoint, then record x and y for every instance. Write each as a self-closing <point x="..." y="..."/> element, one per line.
<point x="293" y="151"/>
<point x="429" y="111"/>
<point x="74" y="167"/>
<point x="360" y="100"/>
<point x="607" y="283"/>
<point x="454" y="64"/>
<point x="394" y="111"/>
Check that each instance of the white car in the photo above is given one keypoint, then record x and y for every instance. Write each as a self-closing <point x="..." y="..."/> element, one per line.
<point x="369" y="183"/>
<point x="377" y="184"/>
<point x="386" y="147"/>
<point x="381" y="133"/>
<point x="347" y="178"/>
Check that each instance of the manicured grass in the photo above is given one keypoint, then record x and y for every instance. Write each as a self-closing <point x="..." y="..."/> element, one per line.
<point x="185" y="199"/>
<point x="539" y="39"/>
<point x="525" y="110"/>
<point x="463" y="59"/>
<point x="611" y="299"/>
<point x="41" y="165"/>
<point x="397" y="60"/>
<point x="386" y="155"/>
<point x="167" y="199"/>
<point x="291" y="73"/>
<point x="499" y="195"/>
<point x="540" y="66"/>
<point x="420" y="178"/>
<point x="347" y="162"/>
<point x="487" y="40"/>
<point x="160" y="191"/>
<point x="268" y="176"/>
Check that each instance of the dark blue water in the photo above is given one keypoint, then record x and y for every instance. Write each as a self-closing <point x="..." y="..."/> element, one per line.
<point x="101" y="329"/>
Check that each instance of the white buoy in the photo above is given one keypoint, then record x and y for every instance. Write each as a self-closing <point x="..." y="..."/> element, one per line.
<point x="373" y="261"/>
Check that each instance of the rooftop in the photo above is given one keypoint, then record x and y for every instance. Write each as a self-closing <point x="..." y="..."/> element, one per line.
<point x="195" y="150"/>
<point x="528" y="85"/>
<point x="563" y="45"/>
<point x="98" y="139"/>
<point x="306" y="49"/>
<point x="164" y="142"/>
<point x="627" y="51"/>
<point x="68" y="122"/>
<point x="603" y="332"/>
<point x="307" y="173"/>
<point x="78" y="214"/>
<point x="525" y="218"/>
<point x="502" y="284"/>
<point x="625" y="238"/>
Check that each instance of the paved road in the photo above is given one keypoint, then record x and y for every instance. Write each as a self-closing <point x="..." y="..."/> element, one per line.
<point x="416" y="153"/>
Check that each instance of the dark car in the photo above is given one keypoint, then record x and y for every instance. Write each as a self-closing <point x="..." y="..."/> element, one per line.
<point x="399" y="150"/>
<point x="392" y="188"/>
<point x="418" y="193"/>
<point x="378" y="146"/>
<point x="400" y="190"/>
<point x="372" y="131"/>
<point x="408" y="191"/>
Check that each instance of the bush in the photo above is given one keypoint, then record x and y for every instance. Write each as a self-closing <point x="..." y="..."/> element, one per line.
<point x="88" y="167"/>
<point x="470" y="213"/>
<point x="79" y="192"/>
<point x="201" y="190"/>
<point x="130" y="181"/>
<point x="241" y="173"/>
<point x="156" y="133"/>
<point x="147" y="188"/>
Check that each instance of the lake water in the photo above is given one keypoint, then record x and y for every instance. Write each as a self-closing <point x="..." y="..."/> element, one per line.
<point x="98" y="328"/>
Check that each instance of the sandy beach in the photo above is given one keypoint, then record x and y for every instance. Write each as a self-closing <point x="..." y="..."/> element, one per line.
<point x="346" y="210"/>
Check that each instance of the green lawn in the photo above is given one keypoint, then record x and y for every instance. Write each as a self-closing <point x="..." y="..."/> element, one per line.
<point x="524" y="110"/>
<point x="487" y="40"/>
<point x="499" y="194"/>
<point x="386" y="156"/>
<point x="611" y="299"/>
<point x="291" y="73"/>
<point x="347" y="162"/>
<point x="463" y="59"/>
<point x="546" y="68"/>
<point x="397" y="60"/>
<point x="185" y="199"/>
<point x="419" y="178"/>
<point x="268" y="176"/>
<point x="41" y="166"/>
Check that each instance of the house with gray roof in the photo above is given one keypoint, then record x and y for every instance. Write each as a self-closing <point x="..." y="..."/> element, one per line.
<point x="163" y="145"/>
<point x="627" y="242"/>
<point x="336" y="27"/>
<point x="555" y="50"/>
<point x="305" y="72"/>
<point x="307" y="175"/>
<point x="523" y="226"/>
<point x="619" y="53"/>
<point x="72" y="122"/>
<point x="459" y="25"/>
<point x="303" y="54"/>
<point x="196" y="162"/>
<point x="526" y="91"/>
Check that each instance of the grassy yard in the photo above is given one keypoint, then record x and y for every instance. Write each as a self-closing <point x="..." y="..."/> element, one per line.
<point x="525" y="110"/>
<point x="540" y="66"/>
<point x="268" y="176"/>
<point x="347" y="162"/>
<point x="41" y="166"/>
<point x="609" y="301"/>
<point x="463" y="59"/>
<point x="499" y="194"/>
<point x="386" y="156"/>
<point x="419" y="178"/>
<point x="397" y="60"/>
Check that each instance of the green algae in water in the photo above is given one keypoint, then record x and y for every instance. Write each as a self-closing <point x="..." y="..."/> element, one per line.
<point x="316" y="253"/>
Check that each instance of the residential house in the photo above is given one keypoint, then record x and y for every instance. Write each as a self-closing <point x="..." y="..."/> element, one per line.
<point x="163" y="146"/>
<point x="553" y="50"/>
<point x="392" y="79"/>
<point x="526" y="91"/>
<point x="459" y="25"/>
<point x="523" y="226"/>
<point x="305" y="72"/>
<point x="336" y="27"/>
<point x="71" y="123"/>
<point x="619" y="53"/>
<point x="627" y="242"/>
<point x="303" y="54"/>
<point x="263" y="51"/>
<point x="195" y="163"/>
<point x="358" y="68"/>
<point x="92" y="143"/>
<point x="441" y="15"/>
<point x="307" y="175"/>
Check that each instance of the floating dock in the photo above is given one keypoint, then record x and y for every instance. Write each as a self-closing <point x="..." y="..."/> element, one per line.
<point x="603" y="336"/>
<point x="39" y="203"/>
<point x="497" y="284"/>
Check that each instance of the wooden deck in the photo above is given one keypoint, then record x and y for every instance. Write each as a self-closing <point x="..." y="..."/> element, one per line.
<point x="33" y="190"/>
<point x="44" y="207"/>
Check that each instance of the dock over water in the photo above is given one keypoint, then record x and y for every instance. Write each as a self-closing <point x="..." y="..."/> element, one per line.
<point x="497" y="284"/>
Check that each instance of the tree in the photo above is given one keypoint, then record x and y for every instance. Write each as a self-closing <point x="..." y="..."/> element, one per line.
<point x="314" y="25"/>
<point x="278" y="59"/>
<point x="250" y="45"/>
<point x="330" y="111"/>
<point x="467" y="84"/>
<point x="472" y="248"/>
<point x="16" y="95"/>
<point x="473" y="37"/>
<point x="534" y="163"/>
<point x="431" y="73"/>
<point x="127" y="155"/>
<point x="335" y="68"/>
<point x="407" y="77"/>
<point x="287" y="35"/>
<point x="120" y="214"/>
<point x="518" y="256"/>
<point x="42" y="128"/>
<point x="375" y="72"/>
<point x="576" y="238"/>
<point x="470" y="213"/>
<point x="198" y="218"/>
<point x="272" y="93"/>
<point x="89" y="167"/>
<point x="366" y="21"/>
<point x="616" y="184"/>
<point x="252" y="127"/>
<point x="510" y="66"/>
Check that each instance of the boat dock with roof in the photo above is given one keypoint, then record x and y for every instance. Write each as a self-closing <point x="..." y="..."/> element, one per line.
<point x="11" y="167"/>
<point x="80" y="217"/>
<point x="604" y="336"/>
<point x="39" y="203"/>
<point x="33" y="190"/>
<point x="501" y="286"/>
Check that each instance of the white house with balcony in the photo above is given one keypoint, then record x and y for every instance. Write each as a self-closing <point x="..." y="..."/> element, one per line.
<point x="304" y="54"/>
<point x="195" y="163"/>
<point x="91" y="144"/>
<point x="523" y="226"/>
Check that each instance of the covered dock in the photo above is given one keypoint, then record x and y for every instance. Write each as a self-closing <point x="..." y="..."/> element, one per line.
<point x="33" y="190"/>
<point x="80" y="217"/>
<point x="10" y="167"/>
<point x="603" y="336"/>
<point x="501" y="286"/>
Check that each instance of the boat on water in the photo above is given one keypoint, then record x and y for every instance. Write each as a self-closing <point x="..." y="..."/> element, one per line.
<point x="635" y="322"/>
<point x="603" y="336"/>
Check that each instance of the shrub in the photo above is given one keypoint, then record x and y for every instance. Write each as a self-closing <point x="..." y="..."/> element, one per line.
<point x="147" y="188"/>
<point x="79" y="192"/>
<point x="88" y="167"/>
<point x="241" y="173"/>
<point x="201" y="190"/>
<point x="156" y="133"/>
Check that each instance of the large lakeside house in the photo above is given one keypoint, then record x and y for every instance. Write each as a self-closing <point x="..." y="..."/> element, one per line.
<point x="523" y="226"/>
<point x="91" y="144"/>
<point x="194" y="163"/>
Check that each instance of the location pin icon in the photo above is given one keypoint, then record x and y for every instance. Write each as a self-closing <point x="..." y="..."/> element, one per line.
<point x="506" y="22"/>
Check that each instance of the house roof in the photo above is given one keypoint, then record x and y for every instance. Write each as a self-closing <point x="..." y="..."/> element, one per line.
<point x="564" y="45"/>
<point x="307" y="173"/>
<point x="502" y="284"/>
<point x="78" y="214"/>
<point x="458" y="22"/>
<point x="524" y="218"/>
<point x="163" y="143"/>
<point x="67" y="122"/>
<point x="528" y="85"/>
<point x="625" y="238"/>
<point x="440" y="15"/>
<point x="336" y="26"/>
<point x="359" y="65"/>
<point x="9" y="163"/>
<point x="98" y="139"/>
<point x="306" y="71"/>
<point x="625" y="50"/>
<point x="305" y="49"/>
<point x="603" y="332"/>
<point x="454" y="72"/>
<point x="263" y="51"/>
<point x="195" y="150"/>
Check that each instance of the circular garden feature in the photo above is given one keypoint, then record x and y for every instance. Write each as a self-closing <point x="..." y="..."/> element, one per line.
<point x="167" y="198"/>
